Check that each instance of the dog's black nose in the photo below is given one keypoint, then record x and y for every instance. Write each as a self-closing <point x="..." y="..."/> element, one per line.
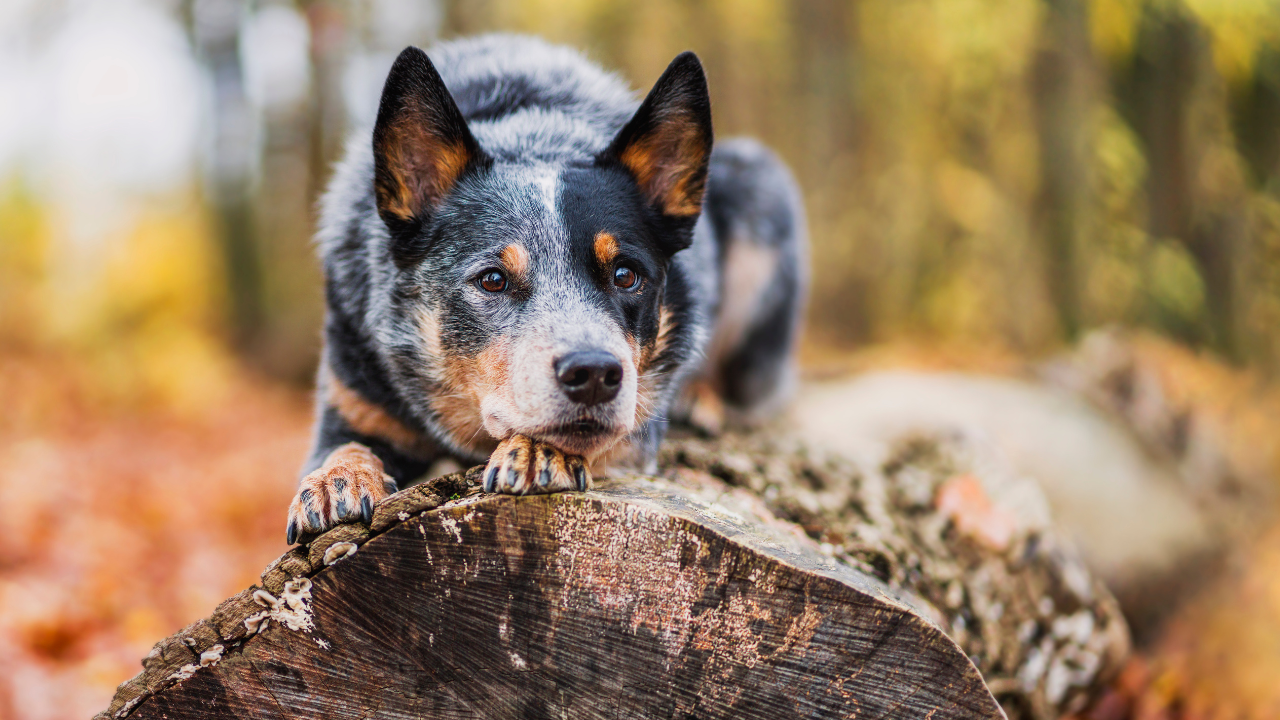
<point x="589" y="377"/>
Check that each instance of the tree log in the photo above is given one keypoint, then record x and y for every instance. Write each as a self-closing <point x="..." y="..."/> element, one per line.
<point x="811" y="589"/>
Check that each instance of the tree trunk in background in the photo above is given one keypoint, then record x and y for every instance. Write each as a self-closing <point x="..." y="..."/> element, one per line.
<point x="1189" y="199"/>
<point x="824" y="132"/>
<point x="757" y="578"/>
<point x="1255" y="114"/>
<point x="1064" y="92"/>
<point x="1255" y="120"/>
<point x="215" y="30"/>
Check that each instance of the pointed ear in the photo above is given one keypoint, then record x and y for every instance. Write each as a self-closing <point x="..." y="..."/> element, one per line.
<point x="667" y="144"/>
<point x="421" y="144"/>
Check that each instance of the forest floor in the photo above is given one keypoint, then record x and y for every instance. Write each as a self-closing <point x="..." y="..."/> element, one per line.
<point x="124" y="524"/>
<point x="125" y="521"/>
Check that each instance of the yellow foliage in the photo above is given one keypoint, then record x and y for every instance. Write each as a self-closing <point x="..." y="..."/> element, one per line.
<point x="24" y="241"/>
<point x="1175" y="284"/>
<point x="141" y="309"/>
<point x="1113" y="25"/>
<point x="1238" y="29"/>
<point x="967" y="196"/>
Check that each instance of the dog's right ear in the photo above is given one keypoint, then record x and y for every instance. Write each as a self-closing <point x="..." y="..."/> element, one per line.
<point x="421" y="144"/>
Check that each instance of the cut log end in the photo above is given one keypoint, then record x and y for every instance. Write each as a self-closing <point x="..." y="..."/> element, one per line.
<point x="645" y="598"/>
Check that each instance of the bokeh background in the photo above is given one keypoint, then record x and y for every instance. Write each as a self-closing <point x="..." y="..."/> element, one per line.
<point x="988" y="181"/>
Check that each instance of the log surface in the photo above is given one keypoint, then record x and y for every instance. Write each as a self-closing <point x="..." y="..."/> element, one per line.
<point x="632" y="601"/>
<point x="755" y="579"/>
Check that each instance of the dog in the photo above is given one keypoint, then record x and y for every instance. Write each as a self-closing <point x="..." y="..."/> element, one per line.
<point x="525" y="266"/>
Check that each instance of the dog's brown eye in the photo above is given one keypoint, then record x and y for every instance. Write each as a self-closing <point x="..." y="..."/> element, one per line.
<point x="625" y="278"/>
<point x="493" y="281"/>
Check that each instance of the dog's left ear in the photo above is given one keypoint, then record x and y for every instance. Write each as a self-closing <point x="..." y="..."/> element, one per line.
<point x="666" y="145"/>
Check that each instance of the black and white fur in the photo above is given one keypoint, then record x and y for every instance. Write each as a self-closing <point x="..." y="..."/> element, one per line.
<point x="504" y="156"/>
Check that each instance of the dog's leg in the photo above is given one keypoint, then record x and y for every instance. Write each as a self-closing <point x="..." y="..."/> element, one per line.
<point x="522" y="465"/>
<point x="347" y="474"/>
<point x="758" y="218"/>
<point x="344" y="488"/>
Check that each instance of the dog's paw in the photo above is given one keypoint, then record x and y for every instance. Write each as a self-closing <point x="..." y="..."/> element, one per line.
<point x="345" y="488"/>
<point x="522" y="465"/>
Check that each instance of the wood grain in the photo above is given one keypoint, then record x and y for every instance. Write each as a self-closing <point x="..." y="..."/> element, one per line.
<point x="632" y="601"/>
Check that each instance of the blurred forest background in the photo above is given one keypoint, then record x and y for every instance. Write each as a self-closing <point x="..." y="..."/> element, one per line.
<point x="992" y="177"/>
<point x="1000" y="173"/>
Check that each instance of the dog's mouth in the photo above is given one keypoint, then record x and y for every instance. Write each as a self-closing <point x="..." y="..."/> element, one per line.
<point x="581" y="436"/>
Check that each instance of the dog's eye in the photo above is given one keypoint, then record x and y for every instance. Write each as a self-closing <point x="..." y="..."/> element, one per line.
<point x="493" y="281"/>
<point x="625" y="278"/>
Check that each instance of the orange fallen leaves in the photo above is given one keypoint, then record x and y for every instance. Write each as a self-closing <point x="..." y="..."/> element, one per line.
<point x="121" y="526"/>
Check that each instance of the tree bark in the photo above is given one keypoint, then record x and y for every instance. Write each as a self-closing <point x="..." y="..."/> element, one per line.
<point x="672" y="596"/>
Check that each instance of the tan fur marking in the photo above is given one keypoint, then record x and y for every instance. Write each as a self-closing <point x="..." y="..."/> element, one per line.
<point x="516" y="259"/>
<point x="636" y="350"/>
<point x="748" y="268"/>
<point x="493" y="365"/>
<point x="606" y="247"/>
<point x="458" y="403"/>
<point x="464" y="381"/>
<point x="647" y="384"/>
<point x="368" y="419"/>
<point x="666" y="325"/>
<point x="423" y="166"/>
<point x="666" y="163"/>
<point x="706" y="411"/>
<point x="352" y="456"/>
<point x="429" y="331"/>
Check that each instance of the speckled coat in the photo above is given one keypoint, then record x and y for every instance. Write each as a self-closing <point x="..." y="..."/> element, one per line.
<point x="514" y="214"/>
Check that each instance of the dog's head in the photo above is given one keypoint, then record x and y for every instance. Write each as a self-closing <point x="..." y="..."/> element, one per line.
<point x="530" y="293"/>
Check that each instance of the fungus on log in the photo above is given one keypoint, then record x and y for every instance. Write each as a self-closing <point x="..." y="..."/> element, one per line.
<point x="673" y="596"/>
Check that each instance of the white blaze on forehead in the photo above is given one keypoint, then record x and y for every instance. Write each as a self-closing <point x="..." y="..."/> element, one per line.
<point x="547" y="179"/>
<point x="537" y="187"/>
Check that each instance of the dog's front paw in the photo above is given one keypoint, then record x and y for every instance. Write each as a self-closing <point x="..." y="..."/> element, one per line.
<point x="523" y="465"/>
<point x="345" y="488"/>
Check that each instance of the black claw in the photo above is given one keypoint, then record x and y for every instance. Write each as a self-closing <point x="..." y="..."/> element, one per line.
<point x="291" y="534"/>
<point x="366" y="509"/>
<point x="491" y="479"/>
<point x="389" y="486"/>
<point x="344" y="511"/>
<point x="513" y="477"/>
<point x="313" y="518"/>
<point x="580" y="475"/>
<point x="544" y="477"/>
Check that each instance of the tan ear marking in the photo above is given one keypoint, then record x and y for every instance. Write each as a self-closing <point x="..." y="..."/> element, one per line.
<point x="421" y="167"/>
<point x="667" y="164"/>
<point x="606" y="248"/>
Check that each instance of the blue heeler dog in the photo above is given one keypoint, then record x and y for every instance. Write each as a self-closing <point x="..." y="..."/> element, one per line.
<point x="528" y="266"/>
